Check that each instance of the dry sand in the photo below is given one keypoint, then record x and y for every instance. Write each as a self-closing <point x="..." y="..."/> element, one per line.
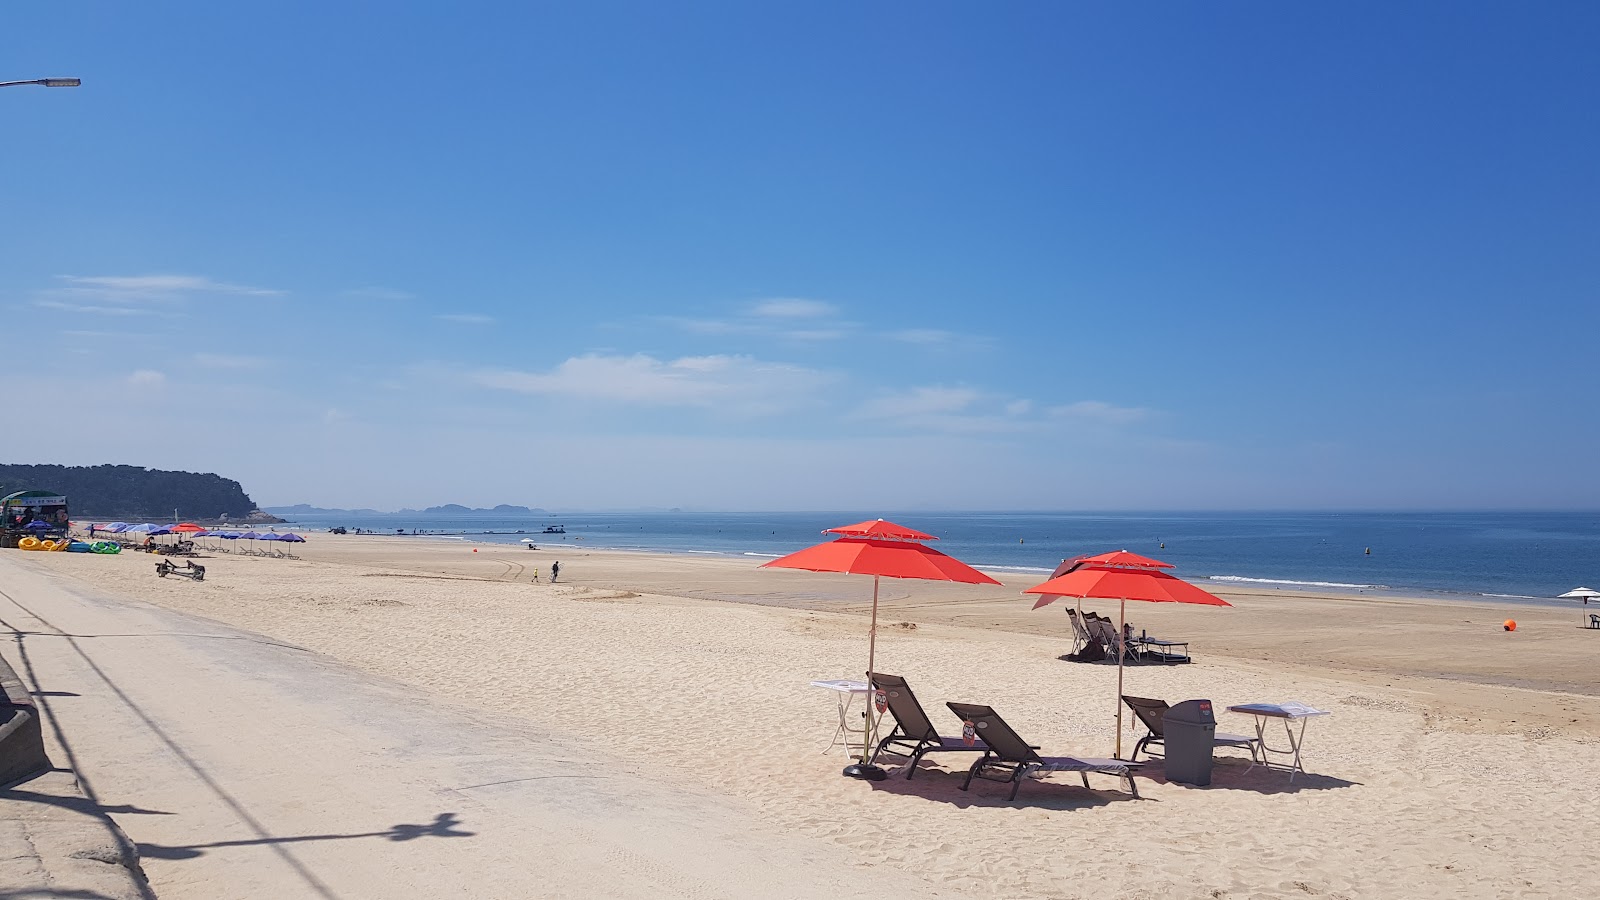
<point x="1456" y="763"/>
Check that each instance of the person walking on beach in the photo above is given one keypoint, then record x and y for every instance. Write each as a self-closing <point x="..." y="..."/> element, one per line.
<point x="555" y="571"/>
<point x="535" y="574"/>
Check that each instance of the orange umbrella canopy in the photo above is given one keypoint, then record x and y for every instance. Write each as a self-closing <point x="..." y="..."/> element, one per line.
<point x="1093" y="582"/>
<point x="185" y="528"/>
<point x="1114" y="558"/>
<point x="1120" y="576"/>
<point x="876" y="556"/>
<point x="883" y="550"/>
<point x="878" y="528"/>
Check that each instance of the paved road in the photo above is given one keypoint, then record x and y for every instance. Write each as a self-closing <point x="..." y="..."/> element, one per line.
<point x="246" y="767"/>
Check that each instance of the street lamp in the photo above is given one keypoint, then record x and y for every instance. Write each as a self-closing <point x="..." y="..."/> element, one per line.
<point x="46" y="82"/>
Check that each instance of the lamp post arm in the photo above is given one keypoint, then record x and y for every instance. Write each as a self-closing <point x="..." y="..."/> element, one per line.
<point x="45" y="82"/>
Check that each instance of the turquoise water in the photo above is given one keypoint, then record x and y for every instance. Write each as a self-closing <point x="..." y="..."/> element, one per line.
<point x="1509" y="555"/>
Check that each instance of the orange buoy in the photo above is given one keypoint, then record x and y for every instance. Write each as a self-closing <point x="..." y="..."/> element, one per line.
<point x="1510" y="625"/>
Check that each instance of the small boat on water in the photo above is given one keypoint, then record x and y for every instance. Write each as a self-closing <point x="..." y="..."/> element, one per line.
<point x="555" y="529"/>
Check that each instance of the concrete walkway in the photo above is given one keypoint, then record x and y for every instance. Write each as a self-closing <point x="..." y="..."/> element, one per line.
<point x="244" y="767"/>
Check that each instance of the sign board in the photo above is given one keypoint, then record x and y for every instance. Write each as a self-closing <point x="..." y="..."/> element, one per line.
<point x="37" y="501"/>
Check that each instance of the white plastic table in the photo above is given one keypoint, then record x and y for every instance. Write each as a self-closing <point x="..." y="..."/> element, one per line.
<point x="846" y="691"/>
<point x="1289" y="712"/>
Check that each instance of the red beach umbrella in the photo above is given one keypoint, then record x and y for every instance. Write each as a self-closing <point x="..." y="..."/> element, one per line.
<point x="878" y="528"/>
<point x="883" y="550"/>
<point x="1120" y="576"/>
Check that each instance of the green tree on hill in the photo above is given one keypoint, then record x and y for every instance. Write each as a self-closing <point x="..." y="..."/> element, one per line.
<point x="132" y="492"/>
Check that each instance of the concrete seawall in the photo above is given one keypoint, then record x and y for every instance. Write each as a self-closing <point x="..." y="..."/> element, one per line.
<point x="54" y="841"/>
<point x="22" y="754"/>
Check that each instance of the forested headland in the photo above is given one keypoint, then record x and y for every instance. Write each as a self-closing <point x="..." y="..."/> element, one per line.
<point x="132" y="492"/>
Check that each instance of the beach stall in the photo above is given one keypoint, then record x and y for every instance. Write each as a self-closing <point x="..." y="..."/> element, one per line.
<point x="32" y="514"/>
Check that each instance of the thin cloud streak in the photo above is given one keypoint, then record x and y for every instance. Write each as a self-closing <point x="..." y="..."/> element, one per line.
<point x="1100" y="413"/>
<point x="228" y="361"/>
<point x="378" y="293"/>
<point x="793" y="308"/>
<point x="139" y="287"/>
<point x="736" y="383"/>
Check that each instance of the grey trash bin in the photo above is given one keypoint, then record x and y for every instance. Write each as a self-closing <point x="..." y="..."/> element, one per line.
<point x="1190" y="730"/>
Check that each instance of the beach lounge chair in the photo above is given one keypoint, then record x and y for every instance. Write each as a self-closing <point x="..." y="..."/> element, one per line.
<point x="1106" y="632"/>
<point x="1594" y="620"/>
<point x="913" y="733"/>
<point x="1010" y="755"/>
<point x="1151" y="714"/>
<point x="1080" y="632"/>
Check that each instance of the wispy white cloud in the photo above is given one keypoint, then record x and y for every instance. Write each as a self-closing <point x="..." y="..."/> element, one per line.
<point x="94" y="308"/>
<point x="147" y="378"/>
<point x="922" y="336"/>
<point x="713" y="326"/>
<point x="228" y="361"/>
<point x="791" y="319"/>
<point x="135" y="295"/>
<point x="735" y="383"/>
<point x="793" y="308"/>
<point x="117" y="335"/>
<point x="1099" y="413"/>
<point x="389" y="295"/>
<point x="466" y="318"/>
<point x="137" y="287"/>
<point x="920" y="402"/>
<point x="952" y="410"/>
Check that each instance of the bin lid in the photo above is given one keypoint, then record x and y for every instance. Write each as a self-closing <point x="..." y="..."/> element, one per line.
<point x="1191" y="712"/>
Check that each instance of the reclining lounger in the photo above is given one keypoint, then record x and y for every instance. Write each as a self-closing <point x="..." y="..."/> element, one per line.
<point x="913" y="732"/>
<point x="1010" y="754"/>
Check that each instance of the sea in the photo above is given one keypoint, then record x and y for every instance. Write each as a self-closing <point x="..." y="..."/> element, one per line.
<point x="1515" y="556"/>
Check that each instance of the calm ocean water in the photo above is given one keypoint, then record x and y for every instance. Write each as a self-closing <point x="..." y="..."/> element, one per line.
<point x="1511" y="555"/>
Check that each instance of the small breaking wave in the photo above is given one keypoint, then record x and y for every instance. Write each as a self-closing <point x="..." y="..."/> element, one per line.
<point x="1240" y="579"/>
<point x="765" y="555"/>
<point x="1512" y="597"/>
<point x="1013" y="568"/>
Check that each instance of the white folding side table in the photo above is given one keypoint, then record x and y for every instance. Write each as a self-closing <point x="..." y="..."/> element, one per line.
<point x="846" y="690"/>
<point x="1289" y="712"/>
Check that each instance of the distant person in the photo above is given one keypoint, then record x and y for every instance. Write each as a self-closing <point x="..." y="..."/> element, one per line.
<point x="535" y="574"/>
<point x="555" y="572"/>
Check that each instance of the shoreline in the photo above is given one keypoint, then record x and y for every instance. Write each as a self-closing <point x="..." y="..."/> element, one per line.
<point x="1363" y="637"/>
<point x="1216" y="584"/>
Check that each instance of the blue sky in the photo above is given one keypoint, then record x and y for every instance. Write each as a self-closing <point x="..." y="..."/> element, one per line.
<point x="813" y="256"/>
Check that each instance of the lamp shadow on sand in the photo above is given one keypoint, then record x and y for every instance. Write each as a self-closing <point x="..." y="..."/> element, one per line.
<point x="443" y="825"/>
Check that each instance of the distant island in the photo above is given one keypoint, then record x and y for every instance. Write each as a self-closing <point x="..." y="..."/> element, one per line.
<point x="136" y="493"/>
<point x="449" y="509"/>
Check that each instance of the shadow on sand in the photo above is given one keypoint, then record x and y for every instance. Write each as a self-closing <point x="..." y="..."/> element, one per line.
<point x="1234" y="774"/>
<point x="1064" y="791"/>
<point x="1061" y="791"/>
<point x="75" y="803"/>
<point x="443" y="825"/>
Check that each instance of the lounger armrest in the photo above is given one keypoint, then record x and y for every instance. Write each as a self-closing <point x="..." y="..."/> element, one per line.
<point x="947" y="743"/>
<point x="1077" y="764"/>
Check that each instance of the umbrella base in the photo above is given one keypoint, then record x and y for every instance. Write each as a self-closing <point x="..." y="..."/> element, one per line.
<point x="865" y="772"/>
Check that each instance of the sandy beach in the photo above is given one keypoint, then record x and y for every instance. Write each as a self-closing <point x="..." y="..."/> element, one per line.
<point x="1454" y="763"/>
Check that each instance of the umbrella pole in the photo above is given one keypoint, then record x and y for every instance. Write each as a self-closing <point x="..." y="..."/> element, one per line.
<point x="872" y="651"/>
<point x="1122" y="619"/>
